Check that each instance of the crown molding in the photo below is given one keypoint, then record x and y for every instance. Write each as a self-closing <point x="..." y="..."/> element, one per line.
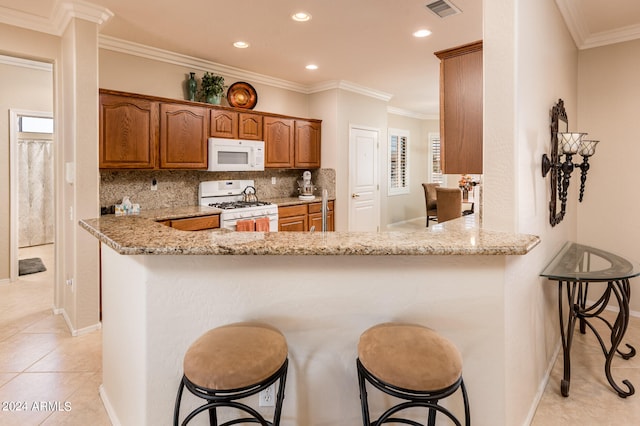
<point x="411" y="114"/>
<point x="573" y="20"/>
<point x="604" y="38"/>
<point x="67" y="10"/>
<point x="153" y="53"/>
<point x="350" y="87"/>
<point x="25" y="63"/>
<point x="20" y="19"/>
<point x="63" y="12"/>
<point x="583" y="38"/>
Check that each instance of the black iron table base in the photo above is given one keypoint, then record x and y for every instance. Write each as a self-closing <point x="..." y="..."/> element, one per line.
<point x="574" y="268"/>
<point x="578" y="310"/>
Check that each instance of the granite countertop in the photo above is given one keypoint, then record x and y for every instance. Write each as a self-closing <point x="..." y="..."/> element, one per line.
<point x="141" y="234"/>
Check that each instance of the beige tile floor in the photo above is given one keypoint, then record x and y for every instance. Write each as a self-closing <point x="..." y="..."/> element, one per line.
<point x="41" y="362"/>
<point x="52" y="376"/>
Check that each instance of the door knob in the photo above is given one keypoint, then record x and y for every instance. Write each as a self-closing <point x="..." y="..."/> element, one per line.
<point x="354" y="195"/>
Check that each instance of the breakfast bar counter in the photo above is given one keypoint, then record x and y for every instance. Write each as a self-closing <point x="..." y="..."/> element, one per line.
<point x="143" y="235"/>
<point x="162" y="288"/>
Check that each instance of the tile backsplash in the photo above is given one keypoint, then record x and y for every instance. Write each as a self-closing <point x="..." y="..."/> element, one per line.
<point x="180" y="187"/>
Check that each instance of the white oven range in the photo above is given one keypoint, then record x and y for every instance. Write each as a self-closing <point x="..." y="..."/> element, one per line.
<point x="229" y="195"/>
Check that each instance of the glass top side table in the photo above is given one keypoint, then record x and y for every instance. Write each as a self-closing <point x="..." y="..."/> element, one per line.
<point x="574" y="267"/>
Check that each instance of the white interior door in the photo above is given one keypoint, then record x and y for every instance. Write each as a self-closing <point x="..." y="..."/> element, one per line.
<point x="364" y="190"/>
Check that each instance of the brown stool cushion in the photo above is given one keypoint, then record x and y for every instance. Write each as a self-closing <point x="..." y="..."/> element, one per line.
<point x="235" y="356"/>
<point x="410" y="356"/>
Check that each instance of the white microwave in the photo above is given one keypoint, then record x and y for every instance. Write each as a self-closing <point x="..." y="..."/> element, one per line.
<point x="235" y="155"/>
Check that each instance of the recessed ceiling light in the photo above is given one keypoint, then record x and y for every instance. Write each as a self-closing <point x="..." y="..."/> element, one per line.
<point x="422" y="33"/>
<point x="301" y="16"/>
<point x="311" y="67"/>
<point x="241" y="44"/>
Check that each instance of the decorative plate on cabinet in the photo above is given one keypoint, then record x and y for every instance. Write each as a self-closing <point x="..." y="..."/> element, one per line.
<point x="242" y="95"/>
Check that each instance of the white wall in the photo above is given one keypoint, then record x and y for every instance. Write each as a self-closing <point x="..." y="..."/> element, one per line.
<point x="358" y="110"/>
<point x="608" y="109"/>
<point x="75" y="97"/>
<point x="128" y="73"/>
<point x="27" y="89"/>
<point x="398" y="208"/>
<point x="530" y="61"/>
<point x="78" y="130"/>
<point x="321" y="304"/>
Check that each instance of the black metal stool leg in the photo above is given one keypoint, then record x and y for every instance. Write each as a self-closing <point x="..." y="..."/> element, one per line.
<point x="176" y="410"/>
<point x="280" y="398"/>
<point x="465" y="398"/>
<point x="213" y="417"/>
<point x="432" y="416"/>
<point x="363" y="396"/>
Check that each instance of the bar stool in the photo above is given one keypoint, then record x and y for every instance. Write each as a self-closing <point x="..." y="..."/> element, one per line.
<point x="413" y="363"/>
<point x="232" y="362"/>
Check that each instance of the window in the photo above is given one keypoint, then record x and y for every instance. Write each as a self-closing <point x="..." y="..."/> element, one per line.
<point x="434" y="162"/>
<point x="29" y="124"/>
<point x="398" y="162"/>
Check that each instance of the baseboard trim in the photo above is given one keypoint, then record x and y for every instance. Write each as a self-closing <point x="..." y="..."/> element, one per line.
<point x="5" y="281"/>
<point x="107" y="406"/>
<point x="542" y="386"/>
<point x="73" y="331"/>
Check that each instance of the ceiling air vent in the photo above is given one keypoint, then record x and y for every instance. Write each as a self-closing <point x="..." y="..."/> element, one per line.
<point x="443" y="8"/>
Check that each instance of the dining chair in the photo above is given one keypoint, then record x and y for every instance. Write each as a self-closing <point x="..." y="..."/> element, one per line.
<point x="449" y="203"/>
<point x="430" y="200"/>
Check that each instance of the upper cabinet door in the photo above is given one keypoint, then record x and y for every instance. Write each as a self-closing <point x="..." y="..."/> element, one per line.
<point x="278" y="142"/>
<point x="183" y="136"/>
<point x="128" y="133"/>
<point x="461" y="109"/>
<point x="250" y="126"/>
<point x="307" y="144"/>
<point x="224" y="124"/>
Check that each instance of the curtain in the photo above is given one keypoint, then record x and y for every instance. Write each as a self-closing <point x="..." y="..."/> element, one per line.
<point x="35" y="192"/>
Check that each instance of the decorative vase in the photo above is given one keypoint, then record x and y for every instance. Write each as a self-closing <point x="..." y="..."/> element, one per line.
<point x="192" y="85"/>
<point x="465" y="194"/>
<point x="214" y="99"/>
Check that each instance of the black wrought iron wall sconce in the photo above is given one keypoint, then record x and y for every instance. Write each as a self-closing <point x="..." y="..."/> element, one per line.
<point x="567" y="144"/>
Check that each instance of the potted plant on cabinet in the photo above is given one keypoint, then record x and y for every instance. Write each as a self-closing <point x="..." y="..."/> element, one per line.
<point x="212" y="88"/>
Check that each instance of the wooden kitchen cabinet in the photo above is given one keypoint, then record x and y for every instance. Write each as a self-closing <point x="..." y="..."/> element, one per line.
<point x="147" y="132"/>
<point x="291" y="143"/>
<point x="183" y="136"/>
<point x="461" y="109"/>
<point x="128" y="132"/>
<point x="302" y="217"/>
<point x="235" y="125"/>
<point x="293" y="218"/>
<point x="278" y="142"/>
<point x="224" y="124"/>
<point x="307" y="144"/>
<point x="195" y="223"/>
<point x="315" y="216"/>
<point x="250" y="126"/>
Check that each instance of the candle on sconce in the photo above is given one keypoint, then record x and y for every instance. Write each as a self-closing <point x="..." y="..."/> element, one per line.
<point x="587" y="148"/>
<point x="570" y="142"/>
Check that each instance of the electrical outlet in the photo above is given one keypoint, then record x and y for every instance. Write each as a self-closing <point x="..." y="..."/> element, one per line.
<point x="273" y="180"/>
<point x="154" y="184"/>
<point x="268" y="397"/>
